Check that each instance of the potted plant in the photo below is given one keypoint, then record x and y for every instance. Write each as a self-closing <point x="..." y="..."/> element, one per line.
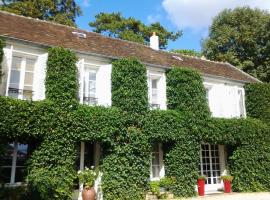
<point x="165" y="185"/>
<point x="87" y="177"/>
<point x="227" y="179"/>
<point x="201" y="185"/>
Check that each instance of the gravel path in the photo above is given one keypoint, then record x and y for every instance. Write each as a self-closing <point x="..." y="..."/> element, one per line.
<point x="234" y="196"/>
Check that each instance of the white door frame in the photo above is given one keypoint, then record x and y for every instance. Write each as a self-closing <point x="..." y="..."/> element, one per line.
<point x="214" y="187"/>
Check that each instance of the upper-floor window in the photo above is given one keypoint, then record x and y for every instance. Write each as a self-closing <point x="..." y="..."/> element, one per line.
<point x="154" y="93"/>
<point x="90" y="86"/>
<point x="225" y="100"/>
<point x="21" y="77"/>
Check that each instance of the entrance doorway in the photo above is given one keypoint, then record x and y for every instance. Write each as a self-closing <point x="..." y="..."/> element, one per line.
<point x="212" y="166"/>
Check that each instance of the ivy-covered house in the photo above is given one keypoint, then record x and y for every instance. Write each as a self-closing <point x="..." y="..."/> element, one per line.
<point x="72" y="98"/>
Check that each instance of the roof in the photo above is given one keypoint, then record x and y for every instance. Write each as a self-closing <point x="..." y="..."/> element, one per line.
<point x="52" y="34"/>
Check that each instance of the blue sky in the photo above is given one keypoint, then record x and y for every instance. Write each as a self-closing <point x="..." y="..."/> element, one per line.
<point x="193" y="17"/>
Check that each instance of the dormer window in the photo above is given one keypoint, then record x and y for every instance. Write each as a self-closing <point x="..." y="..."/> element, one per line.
<point x="21" y="77"/>
<point x="89" y="86"/>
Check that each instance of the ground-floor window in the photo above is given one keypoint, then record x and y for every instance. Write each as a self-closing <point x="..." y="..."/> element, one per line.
<point x="13" y="169"/>
<point x="89" y="156"/>
<point x="157" y="164"/>
<point x="212" y="165"/>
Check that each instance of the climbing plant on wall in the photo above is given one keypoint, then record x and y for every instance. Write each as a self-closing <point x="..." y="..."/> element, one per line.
<point x="128" y="130"/>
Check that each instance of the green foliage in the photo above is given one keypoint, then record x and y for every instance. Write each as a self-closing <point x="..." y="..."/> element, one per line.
<point x="115" y="25"/>
<point x="241" y="37"/>
<point x="61" y="76"/>
<point x="154" y="187"/>
<point x="188" y="52"/>
<point x="227" y="178"/>
<point x="167" y="182"/>
<point x="129" y="85"/>
<point x="258" y="101"/>
<point x="128" y="130"/>
<point x="2" y="45"/>
<point x="87" y="177"/>
<point x="186" y="92"/>
<point x="63" y="12"/>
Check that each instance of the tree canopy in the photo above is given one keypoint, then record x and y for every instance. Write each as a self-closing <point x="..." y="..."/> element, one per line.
<point x="188" y="52"/>
<point x="115" y="25"/>
<point x="241" y="37"/>
<point x="59" y="11"/>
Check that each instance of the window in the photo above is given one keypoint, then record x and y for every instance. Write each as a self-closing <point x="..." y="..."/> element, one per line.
<point x="21" y="77"/>
<point x="157" y="168"/>
<point x="13" y="163"/>
<point x="89" y="86"/>
<point x="154" y="93"/>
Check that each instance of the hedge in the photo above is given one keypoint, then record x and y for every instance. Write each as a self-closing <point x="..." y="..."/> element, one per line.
<point x="127" y="132"/>
<point x="258" y="101"/>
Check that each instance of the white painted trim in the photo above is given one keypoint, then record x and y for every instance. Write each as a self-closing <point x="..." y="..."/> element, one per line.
<point x="9" y="63"/>
<point x="14" y="161"/>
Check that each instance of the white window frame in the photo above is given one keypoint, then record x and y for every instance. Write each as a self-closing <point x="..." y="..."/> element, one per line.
<point x="14" y="165"/>
<point x="88" y="67"/>
<point x="151" y="77"/>
<point x="24" y="57"/>
<point x="161" y="164"/>
<point x="97" y="153"/>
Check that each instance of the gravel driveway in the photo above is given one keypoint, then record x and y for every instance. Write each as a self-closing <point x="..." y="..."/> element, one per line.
<point x="234" y="196"/>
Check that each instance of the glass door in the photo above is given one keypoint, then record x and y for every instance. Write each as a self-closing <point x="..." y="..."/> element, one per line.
<point x="211" y="166"/>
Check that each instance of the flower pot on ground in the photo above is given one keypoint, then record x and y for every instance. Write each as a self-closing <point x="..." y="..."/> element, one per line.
<point x="87" y="177"/>
<point x="227" y="180"/>
<point x="201" y="185"/>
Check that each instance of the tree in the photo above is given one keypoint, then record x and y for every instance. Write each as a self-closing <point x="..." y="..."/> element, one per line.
<point x="59" y="11"/>
<point x="241" y="37"/>
<point x="115" y="25"/>
<point x="188" y="52"/>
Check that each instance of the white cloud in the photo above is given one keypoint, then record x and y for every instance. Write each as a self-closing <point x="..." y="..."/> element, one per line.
<point x="197" y="14"/>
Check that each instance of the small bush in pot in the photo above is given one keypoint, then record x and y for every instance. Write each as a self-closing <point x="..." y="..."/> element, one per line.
<point x="87" y="177"/>
<point x="227" y="179"/>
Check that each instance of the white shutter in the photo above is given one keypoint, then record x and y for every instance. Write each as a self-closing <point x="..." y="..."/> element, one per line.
<point x="39" y="77"/>
<point x="103" y="85"/>
<point x="6" y="66"/>
<point x="216" y="97"/>
<point x="162" y="89"/>
<point x="80" y="67"/>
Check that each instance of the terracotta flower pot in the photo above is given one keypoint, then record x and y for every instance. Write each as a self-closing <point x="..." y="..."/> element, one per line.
<point x="88" y="193"/>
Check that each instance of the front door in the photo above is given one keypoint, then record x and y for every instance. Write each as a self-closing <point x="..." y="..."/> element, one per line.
<point x="212" y="166"/>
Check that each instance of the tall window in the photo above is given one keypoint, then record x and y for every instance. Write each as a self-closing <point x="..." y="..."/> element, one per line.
<point x="157" y="167"/>
<point x="154" y="93"/>
<point x="21" y="77"/>
<point x="13" y="163"/>
<point x="89" y="95"/>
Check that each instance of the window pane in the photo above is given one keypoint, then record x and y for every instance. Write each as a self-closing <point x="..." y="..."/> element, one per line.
<point x="92" y="76"/>
<point x="30" y="65"/>
<point x="5" y="173"/>
<point x="28" y="79"/>
<point x="154" y="83"/>
<point x="15" y="78"/>
<point x="16" y="63"/>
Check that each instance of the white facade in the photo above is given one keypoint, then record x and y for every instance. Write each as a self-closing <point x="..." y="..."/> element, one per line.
<point x="225" y="97"/>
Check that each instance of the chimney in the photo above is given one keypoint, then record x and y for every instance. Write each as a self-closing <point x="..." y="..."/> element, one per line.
<point x="154" y="41"/>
